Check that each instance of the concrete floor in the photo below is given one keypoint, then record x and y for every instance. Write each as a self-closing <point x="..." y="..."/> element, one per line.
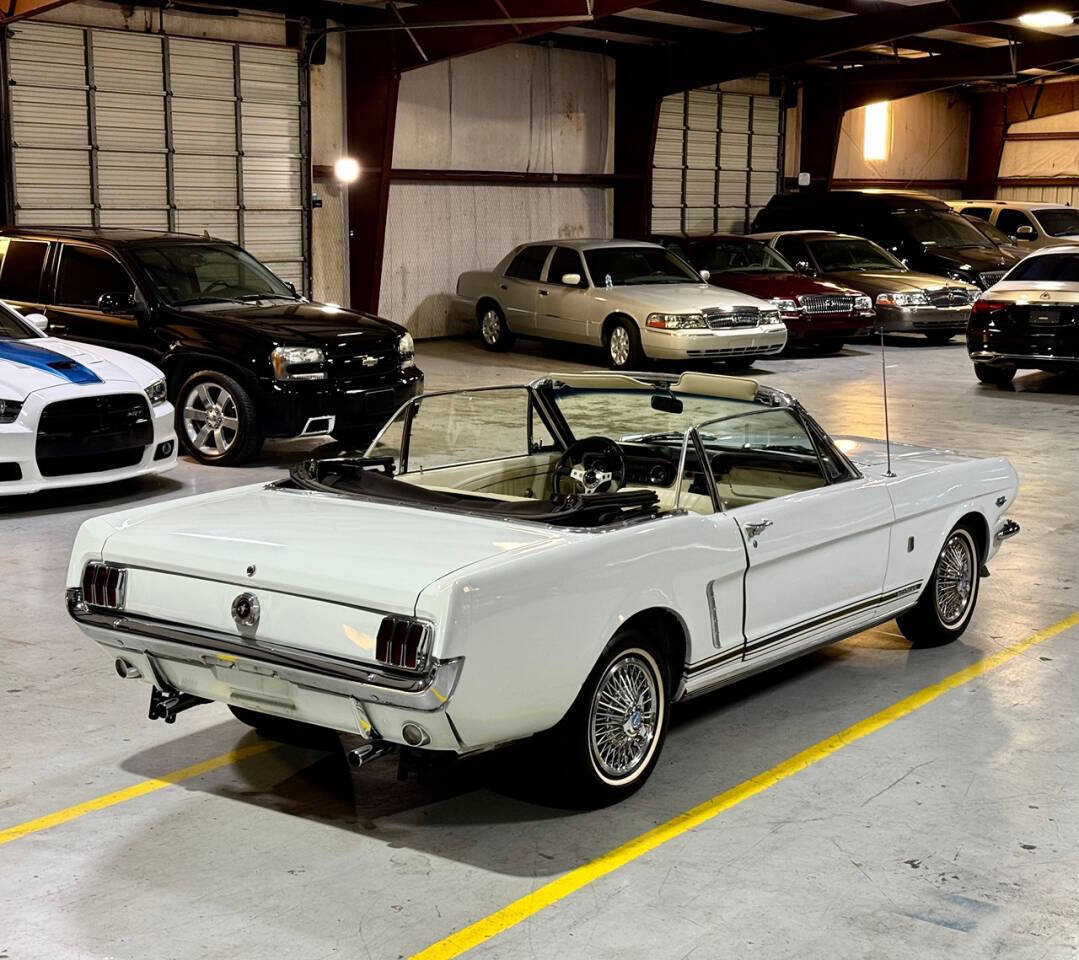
<point x="953" y="832"/>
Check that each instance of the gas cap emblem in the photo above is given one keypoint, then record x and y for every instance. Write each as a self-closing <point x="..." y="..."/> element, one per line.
<point x="245" y="610"/>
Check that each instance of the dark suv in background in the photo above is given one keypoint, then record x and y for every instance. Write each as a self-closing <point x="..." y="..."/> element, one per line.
<point x="922" y="231"/>
<point x="245" y="356"/>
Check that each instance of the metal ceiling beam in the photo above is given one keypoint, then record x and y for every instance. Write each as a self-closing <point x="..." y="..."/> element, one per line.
<point x="723" y="58"/>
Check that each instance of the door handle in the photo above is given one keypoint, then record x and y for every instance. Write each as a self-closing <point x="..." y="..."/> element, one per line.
<point x="754" y="530"/>
<point x="543" y="293"/>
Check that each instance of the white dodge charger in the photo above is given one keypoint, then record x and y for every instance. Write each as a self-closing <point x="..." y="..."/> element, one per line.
<point x="564" y="558"/>
<point x="73" y="415"/>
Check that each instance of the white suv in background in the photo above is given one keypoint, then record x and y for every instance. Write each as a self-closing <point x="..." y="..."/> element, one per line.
<point x="1030" y="223"/>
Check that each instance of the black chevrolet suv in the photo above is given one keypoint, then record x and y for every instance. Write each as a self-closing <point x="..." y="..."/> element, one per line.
<point x="245" y="357"/>
<point x="922" y="231"/>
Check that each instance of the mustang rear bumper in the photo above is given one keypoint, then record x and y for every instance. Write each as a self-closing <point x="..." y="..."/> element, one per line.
<point x="345" y="695"/>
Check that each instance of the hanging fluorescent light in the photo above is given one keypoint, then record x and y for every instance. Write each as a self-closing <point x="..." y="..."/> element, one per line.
<point x="1043" y="19"/>
<point x="877" y="119"/>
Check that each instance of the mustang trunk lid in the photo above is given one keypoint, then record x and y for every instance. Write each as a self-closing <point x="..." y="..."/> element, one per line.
<point x="308" y="544"/>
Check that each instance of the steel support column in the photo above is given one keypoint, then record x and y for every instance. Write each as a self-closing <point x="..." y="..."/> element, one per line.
<point x="371" y="115"/>
<point x="637" y="100"/>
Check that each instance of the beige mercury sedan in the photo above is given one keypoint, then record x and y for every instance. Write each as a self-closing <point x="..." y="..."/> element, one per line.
<point x="637" y="300"/>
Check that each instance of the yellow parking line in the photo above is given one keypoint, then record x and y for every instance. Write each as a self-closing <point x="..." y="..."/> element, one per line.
<point x="512" y="914"/>
<point x="130" y="793"/>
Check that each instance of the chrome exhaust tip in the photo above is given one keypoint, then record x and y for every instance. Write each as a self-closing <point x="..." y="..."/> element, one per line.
<point x="125" y="670"/>
<point x="368" y="752"/>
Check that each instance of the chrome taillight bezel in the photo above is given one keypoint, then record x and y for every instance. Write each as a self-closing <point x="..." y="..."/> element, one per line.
<point x="403" y="643"/>
<point x="104" y="585"/>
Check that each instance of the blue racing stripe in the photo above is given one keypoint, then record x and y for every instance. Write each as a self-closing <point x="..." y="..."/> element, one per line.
<point x="41" y="358"/>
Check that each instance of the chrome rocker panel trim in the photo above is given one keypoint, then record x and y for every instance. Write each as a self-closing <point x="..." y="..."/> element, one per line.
<point x="427" y="693"/>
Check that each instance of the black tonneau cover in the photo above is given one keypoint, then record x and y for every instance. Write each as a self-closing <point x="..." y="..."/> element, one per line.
<point x="372" y="480"/>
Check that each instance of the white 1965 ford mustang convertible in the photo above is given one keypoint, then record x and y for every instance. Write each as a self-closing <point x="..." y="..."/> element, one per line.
<point x="567" y="558"/>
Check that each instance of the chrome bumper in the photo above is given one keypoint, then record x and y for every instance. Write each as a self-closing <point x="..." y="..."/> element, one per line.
<point x="1007" y="529"/>
<point x="426" y="693"/>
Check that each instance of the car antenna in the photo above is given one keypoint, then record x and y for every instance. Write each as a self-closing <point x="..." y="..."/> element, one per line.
<point x="884" y="384"/>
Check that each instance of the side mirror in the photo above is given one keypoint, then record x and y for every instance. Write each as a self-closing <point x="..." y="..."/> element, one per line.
<point x="803" y="267"/>
<point x="39" y="320"/>
<point x="116" y="302"/>
<point x="571" y="279"/>
<point x="705" y="274"/>
<point x="292" y="287"/>
<point x="1025" y="232"/>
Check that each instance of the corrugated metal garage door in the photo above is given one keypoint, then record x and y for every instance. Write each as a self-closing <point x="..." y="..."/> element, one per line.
<point x="125" y="129"/>
<point x="716" y="161"/>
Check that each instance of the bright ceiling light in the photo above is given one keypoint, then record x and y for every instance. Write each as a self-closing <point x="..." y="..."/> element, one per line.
<point x="346" y="170"/>
<point x="877" y="121"/>
<point x="1043" y="19"/>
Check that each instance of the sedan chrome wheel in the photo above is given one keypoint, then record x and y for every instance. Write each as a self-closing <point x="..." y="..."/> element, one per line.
<point x="210" y="419"/>
<point x="955" y="578"/>
<point x="619" y="346"/>
<point x="625" y="717"/>
<point x="491" y="327"/>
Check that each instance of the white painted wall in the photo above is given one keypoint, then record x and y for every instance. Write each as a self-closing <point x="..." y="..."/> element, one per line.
<point x="516" y="108"/>
<point x="930" y="141"/>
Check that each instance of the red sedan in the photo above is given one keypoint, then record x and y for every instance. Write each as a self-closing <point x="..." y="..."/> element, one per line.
<point x="817" y="312"/>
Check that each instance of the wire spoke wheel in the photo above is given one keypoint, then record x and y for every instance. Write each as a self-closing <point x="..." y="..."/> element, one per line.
<point x="211" y="419"/>
<point x="955" y="578"/>
<point x="625" y="716"/>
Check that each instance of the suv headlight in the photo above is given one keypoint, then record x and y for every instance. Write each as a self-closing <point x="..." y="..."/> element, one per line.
<point x="916" y="299"/>
<point x="9" y="410"/>
<point x="298" y="363"/>
<point x="768" y="316"/>
<point x="676" y="321"/>
<point x="787" y="306"/>
<point x="863" y="303"/>
<point x="156" y="393"/>
<point x="406" y="350"/>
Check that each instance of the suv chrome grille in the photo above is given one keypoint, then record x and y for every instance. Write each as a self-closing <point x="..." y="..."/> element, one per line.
<point x="827" y="304"/>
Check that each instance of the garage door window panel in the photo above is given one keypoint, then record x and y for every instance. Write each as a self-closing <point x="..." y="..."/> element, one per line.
<point x="21" y="263"/>
<point x="85" y="274"/>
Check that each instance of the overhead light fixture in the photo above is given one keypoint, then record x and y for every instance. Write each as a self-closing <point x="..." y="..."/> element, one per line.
<point x="346" y="170"/>
<point x="877" y="122"/>
<point x="1043" y="19"/>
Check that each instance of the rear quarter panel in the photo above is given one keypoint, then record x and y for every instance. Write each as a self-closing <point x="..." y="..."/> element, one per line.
<point x="532" y="626"/>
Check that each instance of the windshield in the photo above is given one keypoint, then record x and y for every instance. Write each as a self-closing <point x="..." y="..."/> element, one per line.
<point x="1058" y="221"/>
<point x="851" y="253"/>
<point x="628" y="415"/>
<point x="625" y="266"/>
<point x="999" y="237"/>
<point x="1050" y="266"/>
<point x="935" y="228"/>
<point x="186" y="274"/>
<point x="13" y="327"/>
<point x="738" y="257"/>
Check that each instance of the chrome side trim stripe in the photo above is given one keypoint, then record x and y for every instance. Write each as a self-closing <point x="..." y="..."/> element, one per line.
<point x="804" y="627"/>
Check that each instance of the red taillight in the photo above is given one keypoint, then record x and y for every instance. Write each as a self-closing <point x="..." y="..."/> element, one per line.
<point x="104" y="586"/>
<point x="400" y="642"/>
<point x="987" y="306"/>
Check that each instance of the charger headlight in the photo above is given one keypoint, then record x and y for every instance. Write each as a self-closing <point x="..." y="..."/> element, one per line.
<point x="156" y="393"/>
<point x="9" y="410"/>
<point x="676" y="321"/>
<point x="406" y="350"/>
<point x="298" y="363"/>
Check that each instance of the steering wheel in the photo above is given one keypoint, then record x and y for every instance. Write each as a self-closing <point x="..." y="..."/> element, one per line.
<point x="594" y="464"/>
